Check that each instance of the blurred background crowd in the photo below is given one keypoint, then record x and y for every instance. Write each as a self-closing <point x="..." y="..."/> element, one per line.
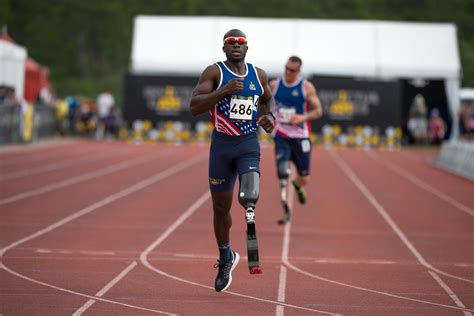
<point x="85" y="51"/>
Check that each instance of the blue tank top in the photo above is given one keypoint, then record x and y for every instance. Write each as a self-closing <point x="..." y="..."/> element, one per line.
<point x="236" y="114"/>
<point x="290" y="100"/>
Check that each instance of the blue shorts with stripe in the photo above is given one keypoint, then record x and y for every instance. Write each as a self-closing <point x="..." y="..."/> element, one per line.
<point x="297" y="150"/>
<point x="229" y="156"/>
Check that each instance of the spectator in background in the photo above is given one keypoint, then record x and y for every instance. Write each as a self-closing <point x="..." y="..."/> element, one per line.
<point x="418" y="121"/>
<point x="105" y="105"/>
<point x="86" y="119"/>
<point x="3" y="94"/>
<point x="436" y="128"/>
<point x="60" y="114"/>
<point x="72" y="109"/>
<point x="466" y="119"/>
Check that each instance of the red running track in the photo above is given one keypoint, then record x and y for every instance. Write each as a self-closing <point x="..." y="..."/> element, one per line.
<point x="91" y="228"/>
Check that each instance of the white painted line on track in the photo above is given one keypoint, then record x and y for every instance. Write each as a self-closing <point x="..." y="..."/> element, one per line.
<point x="172" y="228"/>
<point x="24" y="159"/>
<point x="74" y="180"/>
<point x="24" y="277"/>
<point x="280" y="309"/>
<point x="106" y="288"/>
<point x="57" y="165"/>
<point x="111" y="198"/>
<point x="450" y="292"/>
<point x="388" y="219"/>
<point x="21" y="148"/>
<point x="422" y="184"/>
<point x="320" y="278"/>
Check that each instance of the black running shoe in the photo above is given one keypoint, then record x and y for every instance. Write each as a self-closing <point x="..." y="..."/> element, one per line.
<point x="301" y="193"/>
<point x="224" y="275"/>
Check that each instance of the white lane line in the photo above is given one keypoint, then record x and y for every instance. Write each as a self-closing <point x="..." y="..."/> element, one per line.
<point x="82" y="252"/>
<point x="381" y="210"/>
<point x="24" y="277"/>
<point x="106" y="288"/>
<point x="450" y="292"/>
<point x="21" y="148"/>
<point x="280" y="309"/>
<point x="53" y="166"/>
<point x="25" y="159"/>
<point x="420" y="183"/>
<point x="84" y="307"/>
<point x="320" y="278"/>
<point x="86" y="176"/>
<point x="111" y="198"/>
<point x="176" y="224"/>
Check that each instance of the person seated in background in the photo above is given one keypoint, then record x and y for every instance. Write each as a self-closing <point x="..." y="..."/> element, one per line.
<point x="61" y="110"/>
<point x="86" y="120"/>
<point x="418" y="121"/>
<point x="466" y="120"/>
<point x="436" y="128"/>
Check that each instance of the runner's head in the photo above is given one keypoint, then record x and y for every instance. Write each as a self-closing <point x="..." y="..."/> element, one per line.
<point x="235" y="45"/>
<point x="293" y="68"/>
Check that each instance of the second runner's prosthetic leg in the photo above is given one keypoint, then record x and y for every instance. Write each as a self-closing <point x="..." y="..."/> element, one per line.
<point x="248" y="197"/>
<point x="283" y="175"/>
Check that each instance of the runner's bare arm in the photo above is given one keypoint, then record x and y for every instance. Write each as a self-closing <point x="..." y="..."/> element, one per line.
<point x="266" y="103"/>
<point x="314" y="105"/>
<point x="205" y="95"/>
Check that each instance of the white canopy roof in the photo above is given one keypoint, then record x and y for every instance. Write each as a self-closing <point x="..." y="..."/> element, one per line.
<point x="186" y="45"/>
<point x="12" y="66"/>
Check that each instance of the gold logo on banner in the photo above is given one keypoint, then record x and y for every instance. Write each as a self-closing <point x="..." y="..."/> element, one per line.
<point x="341" y="106"/>
<point x="168" y="102"/>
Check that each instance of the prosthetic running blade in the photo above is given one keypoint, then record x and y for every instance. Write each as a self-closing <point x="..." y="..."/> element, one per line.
<point x="252" y="244"/>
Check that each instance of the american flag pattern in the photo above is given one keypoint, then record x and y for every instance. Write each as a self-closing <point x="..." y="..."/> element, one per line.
<point x="220" y="113"/>
<point x="291" y="96"/>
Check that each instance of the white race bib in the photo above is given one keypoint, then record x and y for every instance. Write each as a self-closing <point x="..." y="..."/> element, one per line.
<point x="305" y="146"/>
<point x="286" y="114"/>
<point x="241" y="109"/>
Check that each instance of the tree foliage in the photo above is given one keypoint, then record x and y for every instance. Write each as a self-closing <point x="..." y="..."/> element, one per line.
<point x="87" y="44"/>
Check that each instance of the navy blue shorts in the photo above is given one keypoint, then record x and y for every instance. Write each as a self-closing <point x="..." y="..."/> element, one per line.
<point x="229" y="156"/>
<point x="297" y="150"/>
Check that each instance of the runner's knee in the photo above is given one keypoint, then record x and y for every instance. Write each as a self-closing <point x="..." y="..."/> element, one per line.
<point x="283" y="170"/>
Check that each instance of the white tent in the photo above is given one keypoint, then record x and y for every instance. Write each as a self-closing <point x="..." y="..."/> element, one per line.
<point x="186" y="45"/>
<point x="174" y="45"/>
<point x="12" y="66"/>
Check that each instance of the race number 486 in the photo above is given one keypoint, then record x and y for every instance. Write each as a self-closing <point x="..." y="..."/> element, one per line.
<point x="241" y="109"/>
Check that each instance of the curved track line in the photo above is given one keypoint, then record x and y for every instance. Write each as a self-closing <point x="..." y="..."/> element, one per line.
<point x="285" y="259"/>
<point x="450" y="292"/>
<point x="422" y="184"/>
<point x="96" y="298"/>
<point x="176" y="224"/>
<point x="111" y="198"/>
<point x="380" y="209"/>
<point x="57" y="165"/>
<point x="83" y="177"/>
<point x="320" y="278"/>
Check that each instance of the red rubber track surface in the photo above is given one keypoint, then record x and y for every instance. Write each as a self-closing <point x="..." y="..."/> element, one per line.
<point x="116" y="228"/>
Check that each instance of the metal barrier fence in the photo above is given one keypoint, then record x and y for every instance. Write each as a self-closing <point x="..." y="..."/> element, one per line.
<point x="25" y="124"/>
